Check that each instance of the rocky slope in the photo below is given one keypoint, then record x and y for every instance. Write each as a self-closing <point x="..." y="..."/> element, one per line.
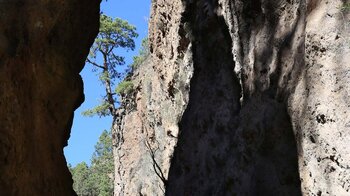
<point x="43" y="46"/>
<point x="239" y="98"/>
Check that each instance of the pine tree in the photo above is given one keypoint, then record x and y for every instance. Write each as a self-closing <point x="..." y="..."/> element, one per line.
<point x="114" y="34"/>
<point x="96" y="180"/>
<point x="102" y="165"/>
<point x="83" y="184"/>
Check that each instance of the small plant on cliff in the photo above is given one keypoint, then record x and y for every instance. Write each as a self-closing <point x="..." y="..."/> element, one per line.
<point x="124" y="87"/>
<point x="114" y="34"/>
<point x="141" y="57"/>
<point x="345" y="7"/>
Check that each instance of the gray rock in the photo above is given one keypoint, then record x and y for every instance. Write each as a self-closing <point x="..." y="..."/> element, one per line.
<point x="241" y="98"/>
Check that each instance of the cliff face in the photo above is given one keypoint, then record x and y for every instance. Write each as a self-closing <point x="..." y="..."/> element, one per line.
<point x="319" y="106"/>
<point x="149" y="118"/>
<point x="237" y="98"/>
<point x="240" y="98"/>
<point x="43" y="46"/>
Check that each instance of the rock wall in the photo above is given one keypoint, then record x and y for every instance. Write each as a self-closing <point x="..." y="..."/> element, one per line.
<point x="237" y="98"/>
<point x="240" y="98"/>
<point x="319" y="107"/>
<point x="225" y="148"/>
<point x="148" y="118"/>
<point x="43" y="46"/>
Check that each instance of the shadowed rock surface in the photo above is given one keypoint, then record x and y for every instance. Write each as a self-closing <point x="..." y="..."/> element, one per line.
<point x="43" y="46"/>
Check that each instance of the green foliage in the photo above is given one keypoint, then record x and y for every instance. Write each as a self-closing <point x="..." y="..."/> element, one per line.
<point x="141" y="57"/>
<point x="98" y="178"/>
<point x="114" y="34"/>
<point x="102" y="165"/>
<point x="124" y="87"/>
<point x="103" y="148"/>
<point x="345" y="7"/>
<point x="104" y="77"/>
<point x="82" y="181"/>
<point x="100" y="110"/>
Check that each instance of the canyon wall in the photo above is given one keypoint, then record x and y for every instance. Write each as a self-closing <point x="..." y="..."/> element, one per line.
<point x="239" y="98"/>
<point x="43" y="46"/>
<point x="236" y="98"/>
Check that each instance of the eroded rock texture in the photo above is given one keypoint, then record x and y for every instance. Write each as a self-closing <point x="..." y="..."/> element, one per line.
<point x="319" y="107"/>
<point x="240" y="98"/>
<point x="43" y="46"/>
<point x="148" y="120"/>
<point x="223" y="148"/>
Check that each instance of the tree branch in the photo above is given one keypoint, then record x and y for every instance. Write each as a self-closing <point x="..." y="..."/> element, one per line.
<point x="94" y="64"/>
<point x="110" y="50"/>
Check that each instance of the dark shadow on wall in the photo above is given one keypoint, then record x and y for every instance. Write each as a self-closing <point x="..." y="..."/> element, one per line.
<point x="223" y="149"/>
<point x="208" y="125"/>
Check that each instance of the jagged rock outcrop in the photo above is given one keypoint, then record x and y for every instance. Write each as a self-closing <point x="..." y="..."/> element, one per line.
<point x="240" y="98"/>
<point x="43" y="46"/>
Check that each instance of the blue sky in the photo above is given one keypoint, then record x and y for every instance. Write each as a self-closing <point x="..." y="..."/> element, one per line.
<point x="86" y="130"/>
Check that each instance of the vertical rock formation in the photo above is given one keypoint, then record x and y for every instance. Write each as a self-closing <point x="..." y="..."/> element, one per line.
<point x="240" y="98"/>
<point x="223" y="148"/>
<point x="237" y="98"/>
<point x="43" y="46"/>
<point x="319" y="106"/>
<point x="148" y="118"/>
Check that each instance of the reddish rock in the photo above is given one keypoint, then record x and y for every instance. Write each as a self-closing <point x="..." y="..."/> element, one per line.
<point x="43" y="46"/>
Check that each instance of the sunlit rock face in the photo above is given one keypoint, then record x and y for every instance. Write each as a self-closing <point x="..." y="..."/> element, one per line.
<point x="43" y="46"/>
<point x="240" y="98"/>
<point x="319" y="106"/>
<point x="148" y="119"/>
